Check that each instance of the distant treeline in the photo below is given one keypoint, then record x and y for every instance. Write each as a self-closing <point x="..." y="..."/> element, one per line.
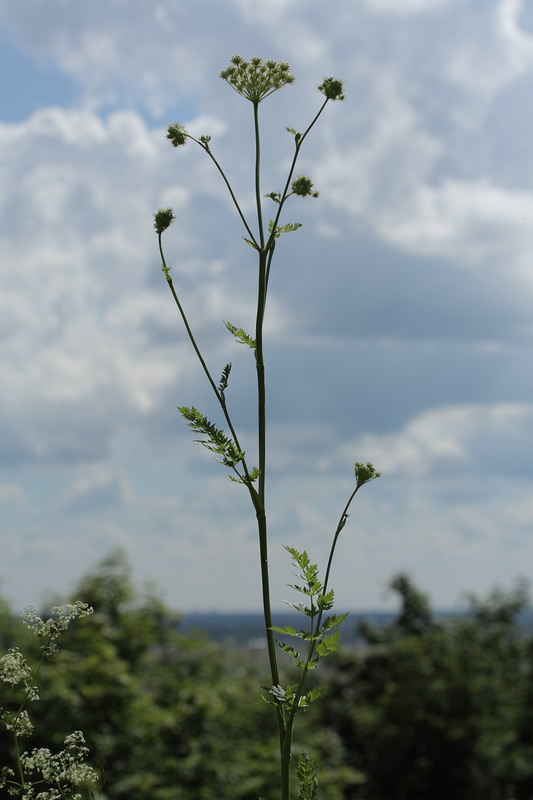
<point x="431" y="707"/>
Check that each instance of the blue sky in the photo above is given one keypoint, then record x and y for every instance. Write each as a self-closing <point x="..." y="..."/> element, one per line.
<point x="400" y="322"/>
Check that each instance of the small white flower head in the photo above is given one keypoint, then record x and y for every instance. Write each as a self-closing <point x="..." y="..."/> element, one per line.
<point x="257" y="79"/>
<point x="6" y="775"/>
<point x="19" y="723"/>
<point x="14" y="668"/>
<point x="278" y="692"/>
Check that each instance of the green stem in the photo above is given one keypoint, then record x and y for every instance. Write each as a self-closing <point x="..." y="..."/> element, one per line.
<point x="265" y="259"/>
<point x="205" y="146"/>
<point x="19" y="764"/>
<point x="217" y="165"/>
<point x="261" y="435"/>
<point x="258" y="176"/>
<point x="218" y="394"/>
<point x="285" y="193"/>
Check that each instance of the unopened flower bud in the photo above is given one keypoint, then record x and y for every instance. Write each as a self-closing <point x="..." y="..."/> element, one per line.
<point x="365" y="473"/>
<point x="303" y="186"/>
<point x="163" y="219"/>
<point x="332" y="88"/>
<point x="177" y="134"/>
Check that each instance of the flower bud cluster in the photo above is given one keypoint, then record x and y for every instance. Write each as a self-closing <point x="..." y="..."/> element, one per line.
<point x="332" y="88"/>
<point x="177" y="134"/>
<point x="256" y="79"/>
<point x="365" y="473"/>
<point x="163" y="219"/>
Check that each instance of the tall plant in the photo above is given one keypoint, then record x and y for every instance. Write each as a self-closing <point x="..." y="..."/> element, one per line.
<point x="256" y="80"/>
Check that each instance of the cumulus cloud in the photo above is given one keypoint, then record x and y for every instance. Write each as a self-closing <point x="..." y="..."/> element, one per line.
<point x="398" y="326"/>
<point x="406" y="8"/>
<point x="487" y="439"/>
<point x="11" y="493"/>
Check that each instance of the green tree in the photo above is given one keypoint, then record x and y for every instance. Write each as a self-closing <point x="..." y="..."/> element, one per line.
<point x="431" y="709"/>
<point x="166" y="715"/>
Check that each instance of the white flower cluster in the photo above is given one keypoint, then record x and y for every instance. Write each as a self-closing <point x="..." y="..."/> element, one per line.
<point x="66" y="770"/>
<point x="53" y="627"/>
<point x="14" y="669"/>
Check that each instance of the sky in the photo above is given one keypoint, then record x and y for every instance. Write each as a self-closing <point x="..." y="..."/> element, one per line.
<point x="399" y="326"/>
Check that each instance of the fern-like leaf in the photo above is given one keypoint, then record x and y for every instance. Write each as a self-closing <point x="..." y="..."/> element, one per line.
<point x="240" y="335"/>
<point x="223" y="385"/>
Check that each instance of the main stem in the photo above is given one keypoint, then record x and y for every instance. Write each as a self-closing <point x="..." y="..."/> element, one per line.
<point x="264" y="264"/>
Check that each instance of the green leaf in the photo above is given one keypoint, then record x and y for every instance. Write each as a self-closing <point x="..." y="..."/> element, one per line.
<point x="330" y="644"/>
<point x="333" y="621"/>
<point x="302" y="608"/>
<point x="300" y="559"/>
<point x="240" y="335"/>
<point x="326" y="601"/>
<point x="223" y="385"/>
<point x="302" y="589"/>
<point x="254" y="473"/>
<point x="216" y="441"/>
<point x="307" y="778"/>
<point x="314" y="693"/>
<point x="286" y="630"/>
<point x="246" y="480"/>
<point x="288" y="649"/>
<point x="279" y="229"/>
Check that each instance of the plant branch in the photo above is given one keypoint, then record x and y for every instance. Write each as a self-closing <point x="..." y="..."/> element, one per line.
<point x="218" y="394"/>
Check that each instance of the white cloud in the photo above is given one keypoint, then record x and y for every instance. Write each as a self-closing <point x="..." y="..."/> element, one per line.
<point x="469" y="221"/>
<point x="79" y="253"/>
<point x="406" y="7"/>
<point x="92" y="347"/>
<point x="11" y="493"/>
<point x="498" y="52"/>
<point x="476" y="438"/>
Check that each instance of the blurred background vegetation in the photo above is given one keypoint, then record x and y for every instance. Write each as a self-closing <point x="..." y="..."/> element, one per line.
<point x="424" y="707"/>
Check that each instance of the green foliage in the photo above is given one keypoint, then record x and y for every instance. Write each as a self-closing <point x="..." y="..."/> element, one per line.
<point x="427" y="708"/>
<point x="322" y="638"/>
<point x="277" y="230"/>
<point x="437" y="709"/>
<point x="216" y="441"/>
<point x="223" y="385"/>
<point x="165" y="714"/>
<point x="241" y="336"/>
<point x="307" y="778"/>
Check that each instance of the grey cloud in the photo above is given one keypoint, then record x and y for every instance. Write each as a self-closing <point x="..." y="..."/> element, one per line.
<point x="92" y="495"/>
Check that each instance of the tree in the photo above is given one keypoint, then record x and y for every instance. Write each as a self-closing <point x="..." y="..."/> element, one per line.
<point x="166" y="714"/>
<point x="436" y="709"/>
